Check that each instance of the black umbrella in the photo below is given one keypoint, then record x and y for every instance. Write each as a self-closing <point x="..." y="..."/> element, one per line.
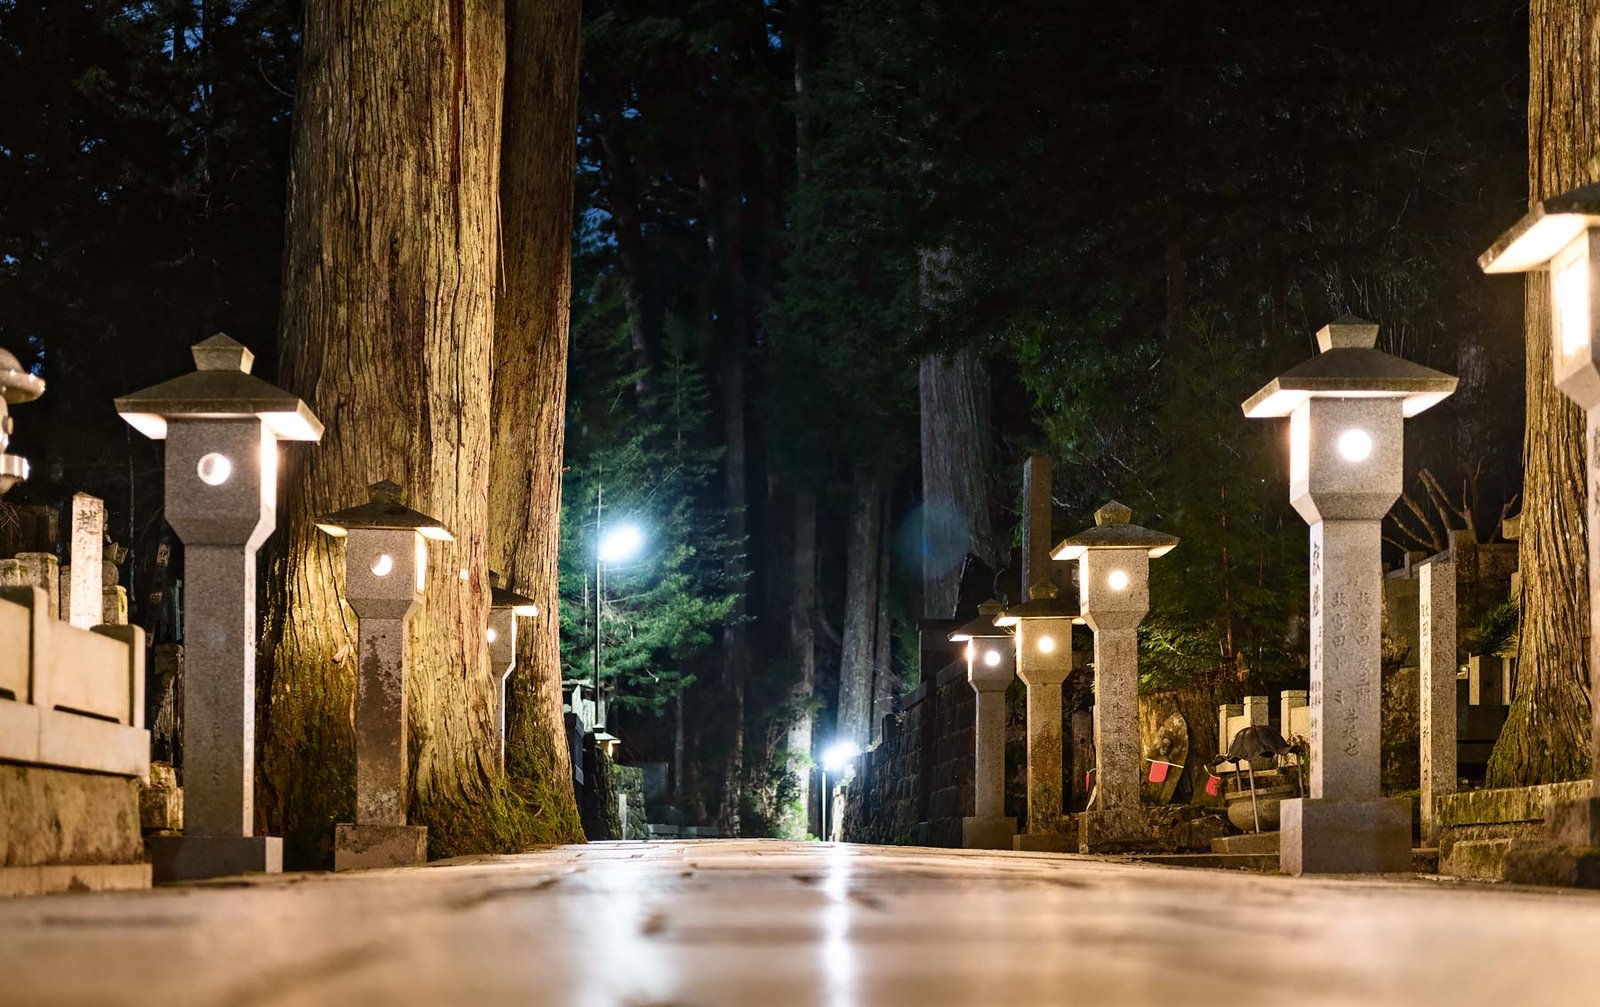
<point x="1260" y="741"/>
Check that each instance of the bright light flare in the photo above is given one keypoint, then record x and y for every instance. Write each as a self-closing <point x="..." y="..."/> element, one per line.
<point x="1355" y="445"/>
<point x="1118" y="580"/>
<point x="839" y="755"/>
<point x="621" y="543"/>
<point x="214" y="469"/>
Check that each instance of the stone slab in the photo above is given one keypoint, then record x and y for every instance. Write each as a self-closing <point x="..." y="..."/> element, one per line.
<point x="1266" y="863"/>
<point x="194" y="858"/>
<point x="56" y="816"/>
<point x="56" y="879"/>
<point x="1478" y="859"/>
<point x="1330" y="836"/>
<point x="161" y="809"/>
<point x="1250" y="842"/>
<point x="1111" y="832"/>
<point x="1044" y="842"/>
<point x="988" y="833"/>
<point x="1573" y="823"/>
<point x="1510" y="804"/>
<point x="365" y="847"/>
<point x="1547" y="864"/>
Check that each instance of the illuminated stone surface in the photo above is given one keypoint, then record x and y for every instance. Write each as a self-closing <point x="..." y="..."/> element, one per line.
<point x="772" y="924"/>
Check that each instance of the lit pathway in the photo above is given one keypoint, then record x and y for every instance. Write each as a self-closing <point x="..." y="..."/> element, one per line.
<point x="767" y="924"/>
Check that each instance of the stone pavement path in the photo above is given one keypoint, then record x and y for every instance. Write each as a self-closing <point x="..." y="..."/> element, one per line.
<point x="769" y="924"/>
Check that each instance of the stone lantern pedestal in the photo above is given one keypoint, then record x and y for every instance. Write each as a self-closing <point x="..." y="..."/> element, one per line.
<point x="1114" y="594"/>
<point x="1346" y="408"/>
<point x="991" y="668"/>
<point x="1043" y="627"/>
<point x="221" y="427"/>
<point x="385" y="570"/>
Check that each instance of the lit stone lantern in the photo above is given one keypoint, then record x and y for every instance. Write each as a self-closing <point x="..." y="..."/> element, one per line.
<point x="16" y="385"/>
<point x="991" y="668"/>
<point x="1561" y="235"/>
<point x="386" y="567"/>
<point x="1043" y="649"/>
<point x="221" y="426"/>
<point x="1114" y="594"/>
<point x="1345" y="408"/>
<point x="505" y="608"/>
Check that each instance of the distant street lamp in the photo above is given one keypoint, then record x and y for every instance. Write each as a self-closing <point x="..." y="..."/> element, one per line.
<point x="505" y="608"/>
<point x="617" y="545"/>
<point x="836" y="758"/>
<point x="1346" y="407"/>
<point x="1114" y="594"/>
<point x="221" y="426"/>
<point x="1561" y="235"/>
<point x="386" y="568"/>
<point x="991" y="668"/>
<point x="16" y="385"/>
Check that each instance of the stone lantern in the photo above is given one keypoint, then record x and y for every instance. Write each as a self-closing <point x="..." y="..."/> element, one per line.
<point x="1346" y="407"/>
<point x="1114" y="594"/>
<point x="16" y="385"/>
<point x="505" y="608"/>
<point x="386" y="568"/>
<point x="1043" y="649"/>
<point x="1561" y="235"/>
<point x="222" y="427"/>
<point x="991" y="668"/>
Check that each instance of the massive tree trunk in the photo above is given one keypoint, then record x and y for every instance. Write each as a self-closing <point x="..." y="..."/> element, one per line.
<point x="860" y="611"/>
<point x="387" y="331"/>
<point x="955" y="476"/>
<point x="530" y="381"/>
<point x="803" y="655"/>
<point x="884" y="687"/>
<point x="1546" y="737"/>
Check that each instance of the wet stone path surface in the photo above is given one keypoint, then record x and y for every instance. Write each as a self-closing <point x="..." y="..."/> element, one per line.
<point x="770" y="923"/>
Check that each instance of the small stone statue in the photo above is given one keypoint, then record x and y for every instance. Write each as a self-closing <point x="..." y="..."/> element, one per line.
<point x="16" y="385"/>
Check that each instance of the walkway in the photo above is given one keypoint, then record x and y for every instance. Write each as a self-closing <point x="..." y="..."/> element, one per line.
<point x="769" y="924"/>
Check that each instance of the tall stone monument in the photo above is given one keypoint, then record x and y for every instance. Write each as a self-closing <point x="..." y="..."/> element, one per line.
<point x="991" y="668"/>
<point x="1346" y="407"/>
<point x="386" y="564"/>
<point x="222" y="427"/>
<point x="1436" y="620"/>
<point x="1114" y="594"/>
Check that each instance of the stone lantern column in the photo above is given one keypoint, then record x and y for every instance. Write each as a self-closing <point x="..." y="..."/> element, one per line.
<point x="505" y="607"/>
<point x="1346" y="407"/>
<point x="16" y="385"/>
<point x="1043" y="647"/>
<point x="1114" y="595"/>
<point x="991" y="668"/>
<point x="386" y="558"/>
<point x="221" y="426"/>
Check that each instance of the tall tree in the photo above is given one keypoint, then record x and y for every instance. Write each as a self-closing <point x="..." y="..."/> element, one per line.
<point x="856" y="663"/>
<point x="530" y="379"/>
<point x="388" y="332"/>
<point x="1546" y="737"/>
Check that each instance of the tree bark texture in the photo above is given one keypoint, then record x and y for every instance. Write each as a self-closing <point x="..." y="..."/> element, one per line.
<point x="387" y="331"/>
<point x="884" y="687"/>
<point x="1546" y="737"/>
<point x="956" y="521"/>
<point x="860" y="610"/>
<point x="803" y="654"/>
<point x="530" y="381"/>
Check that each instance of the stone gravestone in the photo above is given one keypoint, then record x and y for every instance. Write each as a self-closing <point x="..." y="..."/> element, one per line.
<point x="86" y="606"/>
<point x="1436" y="619"/>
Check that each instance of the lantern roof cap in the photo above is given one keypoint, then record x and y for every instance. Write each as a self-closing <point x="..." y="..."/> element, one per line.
<point x="1349" y="366"/>
<point x="385" y="509"/>
<point x="982" y="626"/>
<point x="220" y="387"/>
<point x="1044" y="602"/>
<point x="16" y="384"/>
<point x="1547" y="228"/>
<point x="1113" y="529"/>
<point x="503" y="597"/>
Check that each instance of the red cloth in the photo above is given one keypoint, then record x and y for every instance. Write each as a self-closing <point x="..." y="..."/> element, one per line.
<point x="1158" y="772"/>
<point x="1214" y="786"/>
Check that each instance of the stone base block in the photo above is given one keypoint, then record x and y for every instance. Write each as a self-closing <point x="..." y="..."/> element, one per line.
<point x="1112" y="832"/>
<point x="1478" y="859"/>
<point x="1531" y="863"/>
<point x="1044" y="842"/>
<point x="53" y="879"/>
<point x="364" y="847"/>
<point x="194" y="858"/>
<point x="1326" y="836"/>
<point x="1250" y="842"/>
<point x="1573" y="823"/>
<point x="988" y="833"/>
<point x="161" y="809"/>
